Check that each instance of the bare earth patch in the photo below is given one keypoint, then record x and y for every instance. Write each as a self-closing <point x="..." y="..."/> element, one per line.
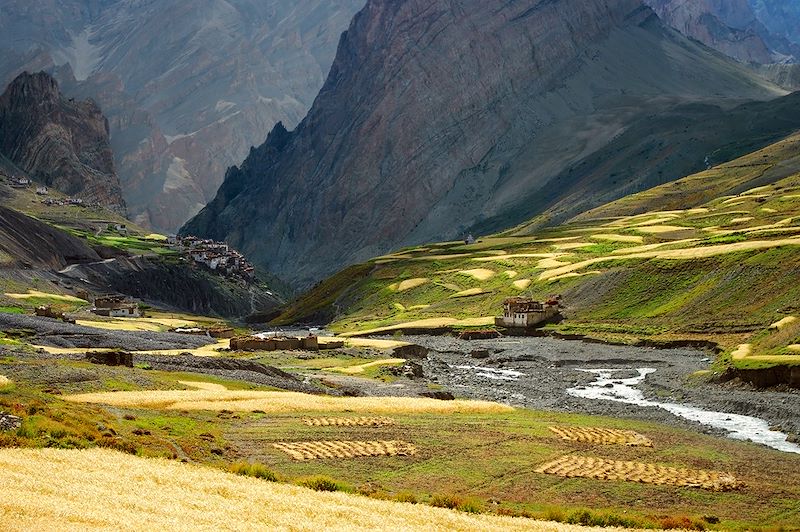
<point x="480" y="274"/>
<point x="347" y="421"/>
<point x="602" y="436"/>
<point x="611" y="237"/>
<point x="353" y="370"/>
<point x="427" y="323"/>
<point x="599" y="468"/>
<point x="522" y="284"/>
<point x="780" y="324"/>
<point x="55" y="489"/>
<point x="408" y="284"/>
<point x="37" y="294"/>
<point x="311" y="450"/>
<point x="468" y="292"/>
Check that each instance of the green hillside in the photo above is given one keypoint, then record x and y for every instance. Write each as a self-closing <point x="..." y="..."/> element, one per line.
<point x="723" y="267"/>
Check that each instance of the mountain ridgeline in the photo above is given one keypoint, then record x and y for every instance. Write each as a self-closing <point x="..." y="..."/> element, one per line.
<point x="438" y="120"/>
<point x="58" y="141"/>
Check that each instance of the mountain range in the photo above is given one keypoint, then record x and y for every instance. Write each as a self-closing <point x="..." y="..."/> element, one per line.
<point x="437" y="120"/>
<point x="187" y="86"/>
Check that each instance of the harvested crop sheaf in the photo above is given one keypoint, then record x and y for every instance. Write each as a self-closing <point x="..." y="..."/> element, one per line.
<point x="310" y="450"/>
<point x="348" y="421"/>
<point x="4" y="380"/>
<point x="599" y="468"/>
<point x="53" y="489"/>
<point x="283" y="402"/>
<point x="602" y="436"/>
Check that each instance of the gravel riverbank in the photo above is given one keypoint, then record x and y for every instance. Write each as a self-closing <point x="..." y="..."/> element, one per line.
<point x="56" y="333"/>
<point x="536" y="373"/>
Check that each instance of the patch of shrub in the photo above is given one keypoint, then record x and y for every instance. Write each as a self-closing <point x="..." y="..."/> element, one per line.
<point x="406" y="496"/>
<point x="254" y="470"/>
<point x="448" y="501"/>
<point x="588" y="518"/>
<point x="322" y="483"/>
<point x="118" y="444"/>
<point x="471" y="506"/>
<point x="455" y="502"/>
<point x="681" y="522"/>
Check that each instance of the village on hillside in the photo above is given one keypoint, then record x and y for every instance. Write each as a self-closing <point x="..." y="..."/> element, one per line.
<point x="217" y="257"/>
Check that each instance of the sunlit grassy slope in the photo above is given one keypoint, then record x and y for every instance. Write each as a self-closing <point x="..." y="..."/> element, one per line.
<point x="720" y="263"/>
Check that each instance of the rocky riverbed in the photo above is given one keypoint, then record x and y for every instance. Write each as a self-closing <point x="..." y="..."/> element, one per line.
<point x="538" y="372"/>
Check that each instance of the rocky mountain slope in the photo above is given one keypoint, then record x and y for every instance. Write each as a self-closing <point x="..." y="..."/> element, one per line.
<point x="435" y="119"/>
<point x="729" y="26"/>
<point x="709" y="258"/>
<point x="58" y="141"/>
<point x="781" y="17"/>
<point x="187" y="86"/>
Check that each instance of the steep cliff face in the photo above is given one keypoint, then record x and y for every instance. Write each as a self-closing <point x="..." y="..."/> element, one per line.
<point x="729" y="26"/>
<point x="188" y="86"/>
<point x="438" y="115"/>
<point x="751" y="31"/>
<point x="60" y="142"/>
<point x="781" y="17"/>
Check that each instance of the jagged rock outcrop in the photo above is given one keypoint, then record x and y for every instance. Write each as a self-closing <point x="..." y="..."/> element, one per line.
<point x="60" y="142"/>
<point x="781" y="17"/>
<point x="750" y="31"/>
<point x="188" y="86"/>
<point x="436" y="117"/>
<point x="729" y="26"/>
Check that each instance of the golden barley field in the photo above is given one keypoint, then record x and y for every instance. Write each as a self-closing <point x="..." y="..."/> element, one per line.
<point x="282" y="402"/>
<point x="100" y="489"/>
<point x="347" y="421"/>
<point x="602" y="436"/>
<point x="310" y="450"/>
<point x="588" y="467"/>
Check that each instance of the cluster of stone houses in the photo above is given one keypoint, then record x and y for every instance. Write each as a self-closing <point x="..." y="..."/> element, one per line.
<point x="116" y="306"/>
<point x="53" y="202"/>
<point x="524" y="312"/>
<point x="215" y="256"/>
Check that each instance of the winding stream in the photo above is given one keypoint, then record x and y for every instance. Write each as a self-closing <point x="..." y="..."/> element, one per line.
<point x="624" y="390"/>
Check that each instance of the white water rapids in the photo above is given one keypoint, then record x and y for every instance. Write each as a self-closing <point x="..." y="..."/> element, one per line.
<point x="492" y="373"/>
<point x="623" y="390"/>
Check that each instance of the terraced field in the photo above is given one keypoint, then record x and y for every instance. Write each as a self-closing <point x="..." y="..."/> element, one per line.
<point x="722" y="267"/>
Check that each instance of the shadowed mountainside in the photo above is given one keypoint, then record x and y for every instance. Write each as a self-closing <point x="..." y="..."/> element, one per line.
<point x="434" y="120"/>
